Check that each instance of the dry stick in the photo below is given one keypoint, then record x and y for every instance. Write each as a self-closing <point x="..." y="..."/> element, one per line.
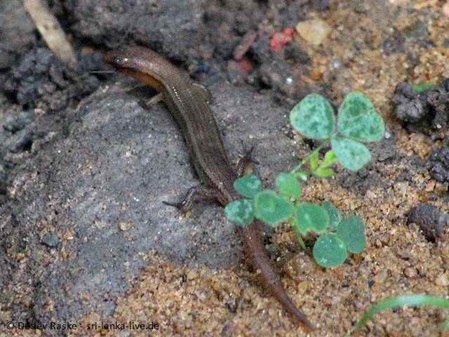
<point x="51" y="31"/>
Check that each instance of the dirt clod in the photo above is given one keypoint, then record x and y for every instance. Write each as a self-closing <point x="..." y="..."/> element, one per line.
<point x="439" y="164"/>
<point x="430" y="107"/>
<point x="430" y="220"/>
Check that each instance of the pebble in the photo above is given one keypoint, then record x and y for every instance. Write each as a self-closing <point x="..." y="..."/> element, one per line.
<point x="124" y="226"/>
<point x="316" y="74"/>
<point x="361" y="6"/>
<point x="442" y="280"/>
<point x="430" y="220"/>
<point x="445" y="9"/>
<point x="50" y="240"/>
<point x="410" y="272"/>
<point x="398" y="2"/>
<point x="313" y="31"/>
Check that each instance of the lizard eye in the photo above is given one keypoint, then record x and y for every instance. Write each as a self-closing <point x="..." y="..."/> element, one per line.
<point x="121" y="60"/>
<point x="115" y="60"/>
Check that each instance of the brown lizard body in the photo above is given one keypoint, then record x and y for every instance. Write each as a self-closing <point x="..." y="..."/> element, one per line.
<point x="188" y="104"/>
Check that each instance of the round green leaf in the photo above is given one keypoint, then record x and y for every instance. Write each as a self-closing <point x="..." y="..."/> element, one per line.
<point x="240" y="212"/>
<point x="311" y="218"/>
<point x="352" y="232"/>
<point x="329" y="251"/>
<point x="271" y="208"/>
<point x="358" y="119"/>
<point x="313" y="117"/>
<point x="352" y="154"/>
<point x="288" y="185"/>
<point x="334" y="213"/>
<point x="248" y="186"/>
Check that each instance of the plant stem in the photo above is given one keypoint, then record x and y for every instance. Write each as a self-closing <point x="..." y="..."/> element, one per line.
<point x="306" y="159"/>
<point x="301" y="241"/>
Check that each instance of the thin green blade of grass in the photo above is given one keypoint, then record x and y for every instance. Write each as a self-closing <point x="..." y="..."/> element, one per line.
<point x="400" y="301"/>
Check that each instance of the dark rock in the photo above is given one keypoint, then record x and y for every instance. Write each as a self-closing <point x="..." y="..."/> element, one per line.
<point x="439" y="164"/>
<point x="430" y="107"/>
<point x="42" y="81"/>
<point x="17" y="122"/>
<point x="50" y="240"/>
<point x="430" y="220"/>
<point x="116" y="163"/>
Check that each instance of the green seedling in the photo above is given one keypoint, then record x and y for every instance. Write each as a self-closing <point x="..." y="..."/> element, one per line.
<point x="417" y="300"/>
<point x="336" y="236"/>
<point x="422" y="86"/>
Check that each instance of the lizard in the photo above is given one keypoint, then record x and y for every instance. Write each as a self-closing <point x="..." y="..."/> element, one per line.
<point x="188" y="103"/>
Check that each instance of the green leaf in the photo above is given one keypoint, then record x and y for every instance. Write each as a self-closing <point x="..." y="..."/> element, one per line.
<point x="352" y="232"/>
<point x="313" y="117"/>
<point x="334" y="213"/>
<point x="288" y="185"/>
<point x="325" y="172"/>
<point x="248" y="186"/>
<point x="415" y="300"/>
<point x="301" y="175"/>
<point x="324" y="169"/>
<point x="311" y="218"/>
<point x="329" y="251"/>
<point x="422" y="86"/>
<point x="329" y="159"/>
<point x="358" y="119"/>
<point x="313" y="160"/>
<point x="352" y="154"/>
<point x="271" y="208"/>
<point x="240" y="212"/>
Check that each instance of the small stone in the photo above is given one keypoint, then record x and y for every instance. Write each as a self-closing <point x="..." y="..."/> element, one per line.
<point x="303" y="287"/>
<point x="442" y="280"/>
<point x="192" y="274"/>
<point x="410" y="272"/>
<point x="313" y="31"/>
<point x="430" y="186"/>
<point x="445" y="9"/>
<point x="361" y="6"/>
<point x="430" y="220"/>
<point x="398" y="2"/>
<point x="5" y="316"/>
<point x="439" y="164"/>
<point x="50" y="240"/>
<point x="381" y="277"/>
<point x="370" y="195"/>
<point x="316" y="74"/>
<point x="124" y="226"/>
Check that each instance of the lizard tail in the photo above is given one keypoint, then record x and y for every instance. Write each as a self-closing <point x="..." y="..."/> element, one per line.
<point x="261" y="263"/>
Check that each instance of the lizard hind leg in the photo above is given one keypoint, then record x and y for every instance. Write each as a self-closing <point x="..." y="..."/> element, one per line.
<point x="194" y="194"/>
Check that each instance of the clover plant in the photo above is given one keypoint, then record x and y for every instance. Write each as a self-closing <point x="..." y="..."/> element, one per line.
<point x="336" y="236"/>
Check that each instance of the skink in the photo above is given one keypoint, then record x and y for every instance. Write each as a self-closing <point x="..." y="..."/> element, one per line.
<point x="188" y="103"/>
